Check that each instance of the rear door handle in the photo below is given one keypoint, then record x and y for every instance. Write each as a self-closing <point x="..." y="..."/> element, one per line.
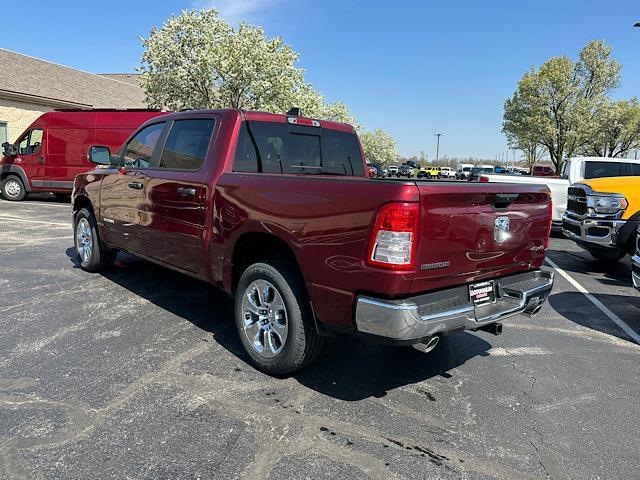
<point x="136" y="185"/>
<point x="186" y="191"/>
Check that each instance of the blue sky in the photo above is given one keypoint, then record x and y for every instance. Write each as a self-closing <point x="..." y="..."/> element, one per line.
<point x="410" y="68"/>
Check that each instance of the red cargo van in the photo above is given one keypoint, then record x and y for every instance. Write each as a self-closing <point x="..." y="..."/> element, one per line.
<point x="53" y="150"/>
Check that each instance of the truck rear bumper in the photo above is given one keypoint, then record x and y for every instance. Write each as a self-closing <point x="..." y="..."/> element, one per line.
<point x="413" y="319"/>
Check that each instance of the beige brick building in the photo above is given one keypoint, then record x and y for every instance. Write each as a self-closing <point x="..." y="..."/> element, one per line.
<point x="30" y="86"/>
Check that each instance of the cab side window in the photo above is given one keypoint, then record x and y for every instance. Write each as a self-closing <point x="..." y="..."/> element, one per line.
<point x="139" y="150"/>
<point x="31" y="142"/>
<point x="187" y="144"/>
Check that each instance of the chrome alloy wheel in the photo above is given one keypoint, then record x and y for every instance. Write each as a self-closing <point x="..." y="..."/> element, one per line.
<point x="265" y="318"/>
<point x="84" y="240"/>
<point x="12" y="188"/>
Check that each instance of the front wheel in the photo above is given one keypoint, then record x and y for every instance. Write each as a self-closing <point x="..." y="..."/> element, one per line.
<point x="274" y="319"/>
<point x="91" y="254"/>
<point x="12" y="188"/>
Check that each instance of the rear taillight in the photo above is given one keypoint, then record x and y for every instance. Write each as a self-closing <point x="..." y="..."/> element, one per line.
<point x="546" y="243"/>
<point x="483" y="179"/>
<point x="394" y="237"/>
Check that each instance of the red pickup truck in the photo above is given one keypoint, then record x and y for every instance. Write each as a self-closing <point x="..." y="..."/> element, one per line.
<point x="278" y="211"/>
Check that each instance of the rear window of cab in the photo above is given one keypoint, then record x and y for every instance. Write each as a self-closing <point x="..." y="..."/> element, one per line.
<point x="269" y="147"/>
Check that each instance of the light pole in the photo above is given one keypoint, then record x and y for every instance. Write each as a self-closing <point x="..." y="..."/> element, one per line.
<point x="437" y="146"/>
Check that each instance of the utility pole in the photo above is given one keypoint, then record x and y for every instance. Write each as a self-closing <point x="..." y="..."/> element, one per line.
<point x="437" y="146"/>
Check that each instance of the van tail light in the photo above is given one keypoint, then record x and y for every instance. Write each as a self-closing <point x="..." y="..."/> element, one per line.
<point x="394" y="237"/>
<point x="546" y="243"/>
<point x="483" y="179"/>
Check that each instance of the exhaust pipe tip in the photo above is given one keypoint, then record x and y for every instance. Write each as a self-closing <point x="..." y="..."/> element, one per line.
<point x="427" y="344"/>
<point x="534" y="306"/>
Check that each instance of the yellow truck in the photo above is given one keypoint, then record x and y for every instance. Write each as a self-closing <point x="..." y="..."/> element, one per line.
<point x="602" y="216"/>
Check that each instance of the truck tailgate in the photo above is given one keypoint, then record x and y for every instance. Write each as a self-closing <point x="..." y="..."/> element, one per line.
<point x="473" y="231"/>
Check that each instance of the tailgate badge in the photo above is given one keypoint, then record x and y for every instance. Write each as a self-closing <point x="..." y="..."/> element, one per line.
<point x="431" y="266"/>
<point x="501" y="229"/>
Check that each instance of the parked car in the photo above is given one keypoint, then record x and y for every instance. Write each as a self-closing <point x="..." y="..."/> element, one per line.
<point x="53" y="149"/>
<point x="543" y="171"/>
<point x="372" y="170"/>
<point x="249" y="202"/>
<point x="447" y="172"/>
<point x="406" y="170"/>
<point x="392" y="170"/>
<point x="429" y="172"/>
<point x="476" y="172"/>
<point x="635" y="263"/>
<point x="602" y="216"/>
<point x="463" y="170"/>
<point x="573" y="170"/>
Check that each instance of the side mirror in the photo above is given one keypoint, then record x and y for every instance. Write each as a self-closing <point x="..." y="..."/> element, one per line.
<point x="99" y="155"/>
<point x="9" y="149"/>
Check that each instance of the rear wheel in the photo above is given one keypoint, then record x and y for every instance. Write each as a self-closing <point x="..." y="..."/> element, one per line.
<point x="274" y="319"/>
<point x="91" y="253"/>
<point x="12" y="188"/>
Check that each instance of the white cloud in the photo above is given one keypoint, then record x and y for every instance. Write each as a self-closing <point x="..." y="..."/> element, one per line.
<point x="233" y="11"/>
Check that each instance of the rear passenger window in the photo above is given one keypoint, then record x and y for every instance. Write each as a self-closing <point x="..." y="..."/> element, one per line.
<point x="140" y="148"/>
<point x="187" y="144"/>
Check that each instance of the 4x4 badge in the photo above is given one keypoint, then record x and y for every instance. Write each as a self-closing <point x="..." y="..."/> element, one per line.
<point x="501" y="230"/>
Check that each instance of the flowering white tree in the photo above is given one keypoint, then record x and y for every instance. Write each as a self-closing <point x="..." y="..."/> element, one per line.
<point x="379" y="147"/>
<point x="197" y="60"/>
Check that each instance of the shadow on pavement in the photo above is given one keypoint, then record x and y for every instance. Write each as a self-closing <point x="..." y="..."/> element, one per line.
<point x="615" y="274"/>
<point x="571" y="305"/>
<point x="48" y="198"/>
<point x="348" y="369"/>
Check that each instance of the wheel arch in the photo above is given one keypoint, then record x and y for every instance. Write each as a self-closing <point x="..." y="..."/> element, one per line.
<point x="7" y="170"/>
<point x="252" y="247"/>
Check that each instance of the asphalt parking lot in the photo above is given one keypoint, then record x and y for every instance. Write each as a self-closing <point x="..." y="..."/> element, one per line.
<point x="138" y="373"/>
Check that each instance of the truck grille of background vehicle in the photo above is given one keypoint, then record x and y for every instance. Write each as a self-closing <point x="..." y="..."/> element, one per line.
<point x="576" y="206"/>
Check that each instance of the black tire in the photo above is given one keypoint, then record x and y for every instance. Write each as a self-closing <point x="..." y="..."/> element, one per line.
<point x="608" y="258"/>
<point x="12" y="188"/>
<point x="303" y="344"/>
<point x="100" y="257"/>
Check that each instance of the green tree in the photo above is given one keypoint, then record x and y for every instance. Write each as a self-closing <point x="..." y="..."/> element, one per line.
<point x="379" y="147"/>
<point x="615" y="129"/>
<point x="554" y="105"/>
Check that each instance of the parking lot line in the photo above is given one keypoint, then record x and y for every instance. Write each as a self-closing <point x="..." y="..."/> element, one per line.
<point x="603" y="308"/>
<point x="13" y="219"/>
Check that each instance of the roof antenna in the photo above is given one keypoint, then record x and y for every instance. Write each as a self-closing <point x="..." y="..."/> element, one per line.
<point x="295" y="111"/>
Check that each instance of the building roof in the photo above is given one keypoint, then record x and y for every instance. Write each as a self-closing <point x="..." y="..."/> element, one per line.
<point x="39" y="81"/>
<point x="130" y="78"/>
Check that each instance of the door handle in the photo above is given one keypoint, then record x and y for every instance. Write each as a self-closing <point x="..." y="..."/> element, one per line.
<point x="41" y="160"/>
<point x="186" y="191"/>
<point x="136" y="185"/>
